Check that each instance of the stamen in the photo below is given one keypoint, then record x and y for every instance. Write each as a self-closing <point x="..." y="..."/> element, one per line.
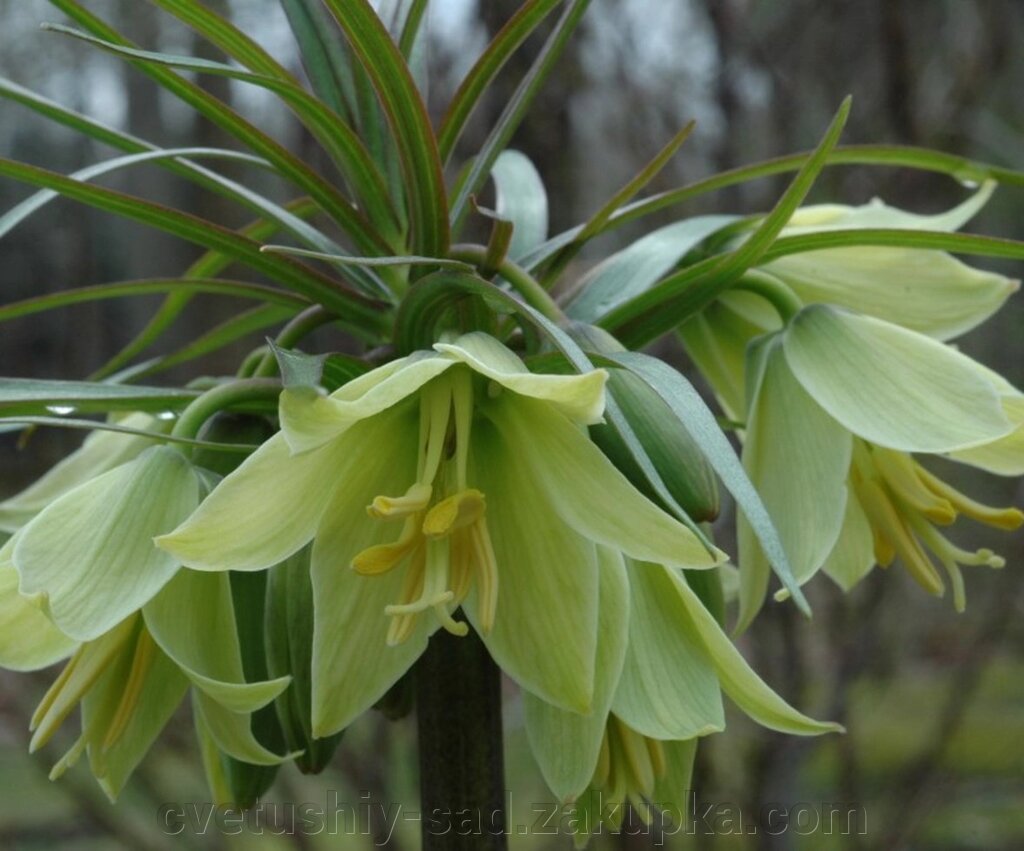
<point x="453" y="626"/>
<point x="145" y="652"/>
<point x="656" y="751"/>
<point x="437" y="402"/>
<point x="637" y="759"/>
<point x="401" y="627"/>
<point x="381" y="558"/>
<point x="462" y="402"/>
<point x="461" y="565"/>
<point x="486" y="576"/>
<point x="69" y="759"/>
<point x="883" y="515"/>
<point x="456" y="512"/>
<point x="434" y="591"/>
<point x="903" y="476"/>
<point x="603" y="767"/>
<point x="416" y="499"/>
<point x="1001" y="518"/>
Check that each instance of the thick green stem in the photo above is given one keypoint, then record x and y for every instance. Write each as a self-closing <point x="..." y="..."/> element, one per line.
<point x="518" y="278"/>
<point x="774" y="291"/>
<point x="221" y="397"/>
<point x="462" y="773"/>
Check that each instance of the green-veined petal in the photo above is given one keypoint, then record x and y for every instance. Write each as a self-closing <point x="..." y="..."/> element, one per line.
<point x="545" y="627"/>
<point x="28" y="639"/>
<point x="892" y="386"/>
<point x="90" y="553"/>
<point x="115" y="752"/>
<point x="264" y="511"/>
<point x="566" y="744"/>
<point x="579" y="397"/>
<point x="854" y="553"/>
<point x="797" y="457"/>
<point x="353" y="666"/>
<point x="927" y="291"/>
<point x="232" y="731"/>
<point x="744" y="687"/>
<point x="668" y="688"/>
<point x="586" y="490"/>
<point x="1005" y="456"/>
<point x="101" y="451"/>
<point x="193" y="621"/>
<point x="673" y="788"/>
<point x="310" y="421"/>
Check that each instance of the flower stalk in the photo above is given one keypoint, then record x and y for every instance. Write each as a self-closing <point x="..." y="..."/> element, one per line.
<point x="462" y="775"/>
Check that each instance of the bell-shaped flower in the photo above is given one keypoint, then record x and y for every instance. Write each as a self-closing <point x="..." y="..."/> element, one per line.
<point x="101" y="451"/>
<point x="666" y="662"/>
<point x="88" y="556"/>
<point x="839" y="397"/>
<point x="926" y="290"/>
<point x="130" y="679"/>
<point x="448" y="479"/>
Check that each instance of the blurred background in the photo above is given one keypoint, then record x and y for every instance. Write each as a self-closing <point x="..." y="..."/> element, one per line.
<point x="934" y="702"/>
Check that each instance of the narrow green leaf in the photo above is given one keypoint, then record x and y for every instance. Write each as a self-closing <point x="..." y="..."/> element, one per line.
<point x="407" y="115"/>
<point x="957" y="243"/>
<point x="291" y="274"/>
<point x="238" y="326"/>
<point x="498" y="139"/>
<point x="19" y="212"/>
<point x="97" y="425"/>
<point x="337" y="138"/>
<point x="597" y="222"/>
<point x="286" y="218"/>
<point x="690" y="410"/>
<point x="209" y="264"/>
<point x="221" y="32"/>
<point x="41" y="396"/>
<point x="149" y="286"/>
<point x="486" y="68"/>
<point x="303" y="176"/>
<point x="664" y="306"/>
<point x="348" y="260"/>
<point x="410" y="27"/>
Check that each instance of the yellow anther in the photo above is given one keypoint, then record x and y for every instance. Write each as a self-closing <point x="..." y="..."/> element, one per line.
<point x="656" y="750"/>
<point x="885" y="519"/>
<point x="486" y="576"/>
<point x="461" y="565"/>
<point x="416" y="499"/>
<point x="456" y="512"/>
<point x="401" y="627"/>
<point x="906" y="481"/>
<point x="638" y="760"/>
<point x="380" y="558"/>
<point x="142" y="662"/>
<point x="1001" y="518"/>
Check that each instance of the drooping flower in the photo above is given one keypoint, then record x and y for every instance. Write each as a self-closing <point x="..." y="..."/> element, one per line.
<point x="666" y="663"/>
<point x="926" y="290"/>
<point x="448" y="479"/>
<point x="840" y="403"/>
<point x="129" y="679"/>
<point x="101" y="451"/>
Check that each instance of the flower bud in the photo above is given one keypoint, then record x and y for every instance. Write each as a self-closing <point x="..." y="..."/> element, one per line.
<point x="674" y="453"/>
